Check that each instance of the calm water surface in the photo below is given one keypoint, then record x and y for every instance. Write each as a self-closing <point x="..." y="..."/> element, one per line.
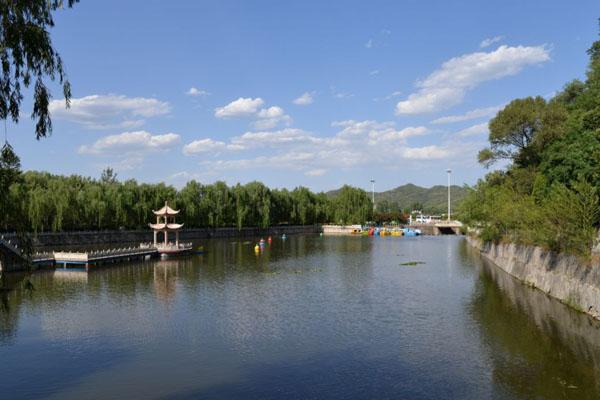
<point x="310" y="318"/>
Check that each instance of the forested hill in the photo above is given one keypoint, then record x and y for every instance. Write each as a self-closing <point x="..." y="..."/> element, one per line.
<point x="410" y="196"/>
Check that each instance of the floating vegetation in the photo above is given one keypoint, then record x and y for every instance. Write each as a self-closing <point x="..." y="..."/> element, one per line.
<point x="412" y="263"/>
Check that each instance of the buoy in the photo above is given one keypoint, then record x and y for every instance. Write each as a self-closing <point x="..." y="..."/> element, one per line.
<point x="321" y="234"/>
<point x="270" y="239"/>
<point x="257" y="249"/>
<point x="283" y="236"/>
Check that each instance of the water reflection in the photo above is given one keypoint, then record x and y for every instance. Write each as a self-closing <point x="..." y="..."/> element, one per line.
<point x="309" y="317"/>
<point x="539" y="348"/>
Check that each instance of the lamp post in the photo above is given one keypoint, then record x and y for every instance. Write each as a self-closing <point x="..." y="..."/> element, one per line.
<point x="373" y="193"/>
<point x="449" y="171"/>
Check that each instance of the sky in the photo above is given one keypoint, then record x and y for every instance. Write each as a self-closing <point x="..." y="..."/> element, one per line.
<point x="298" y="93"/>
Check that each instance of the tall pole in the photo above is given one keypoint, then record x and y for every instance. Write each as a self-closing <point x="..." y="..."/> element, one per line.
<point x="449" y="171"/>
<point x="373" y="192"/>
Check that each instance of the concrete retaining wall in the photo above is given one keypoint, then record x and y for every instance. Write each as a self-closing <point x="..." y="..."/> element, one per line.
<point x="563" y="277"/>
<point x="340" y="229"/>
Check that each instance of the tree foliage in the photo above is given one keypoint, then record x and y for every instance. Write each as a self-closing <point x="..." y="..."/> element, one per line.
<point x="44" y="202"/>
<point x="520" y="131"/>
<point x="28" y="57"/>
<point x="548" y="195"/>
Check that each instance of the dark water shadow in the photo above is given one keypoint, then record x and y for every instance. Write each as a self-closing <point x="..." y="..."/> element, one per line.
<point x="538" y="347"/>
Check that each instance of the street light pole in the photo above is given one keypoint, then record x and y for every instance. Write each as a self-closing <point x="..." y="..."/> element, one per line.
<point x="449" y="171"/>
<point x="373" y="193"/>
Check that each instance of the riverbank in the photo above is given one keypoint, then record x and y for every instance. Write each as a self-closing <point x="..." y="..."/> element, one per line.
<point x="78" y="238"/>
<point x="50" y="241"/>
<point x="564" y="277"/>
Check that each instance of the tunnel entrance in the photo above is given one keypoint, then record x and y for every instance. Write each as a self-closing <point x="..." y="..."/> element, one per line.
<point x="446" y="230"/>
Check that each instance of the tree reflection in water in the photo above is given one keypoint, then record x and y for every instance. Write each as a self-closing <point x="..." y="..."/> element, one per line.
<point x="539" y="348"/>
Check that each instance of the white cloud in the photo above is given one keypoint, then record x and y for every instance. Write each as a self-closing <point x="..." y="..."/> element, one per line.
<point x="369" y="44"/>
<point x="354" y="144"/>
<point x="316" y="172"/>
<point x="109" y="111"/>
<point x="242" y="107"/>
<point x="490" y="41"/>
<point x="469" y="115"/>
<point x="356" y="128"/>
<point x="305" y="99"/>
<point x="425" y="153"/>
<point x="389" y="96"/>
<point x="265" y="118"/>
<point x="203" y="146"/>
<point x="375" y="132"/>
<point x="339" y="95"/>
<point x="447" y="86"/>
<point x="193" y="91"/>
<point x="393" y="94"/>
<point x="137" y="142"/>
<point x="474" y="130"/>
<point x="269" y="118"/>
<point x="374" y="72"/>
<point x="393" y="135"/>
<point x="272" y="138"/>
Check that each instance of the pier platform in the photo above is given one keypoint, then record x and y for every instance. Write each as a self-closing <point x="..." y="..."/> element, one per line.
<point x="97" y="257"/>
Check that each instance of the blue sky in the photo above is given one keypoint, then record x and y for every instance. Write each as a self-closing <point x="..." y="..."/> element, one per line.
<point x="308" y="93"/>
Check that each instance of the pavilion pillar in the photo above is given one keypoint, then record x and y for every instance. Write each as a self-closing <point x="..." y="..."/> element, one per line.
<point x="166" y="238"/>
<point x="155" y="237"/>
<point x="177" y="238"/>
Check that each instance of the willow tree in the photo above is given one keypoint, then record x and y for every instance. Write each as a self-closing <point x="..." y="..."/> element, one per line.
<point x="28" y="57"/>
<point x="10" y="169"/>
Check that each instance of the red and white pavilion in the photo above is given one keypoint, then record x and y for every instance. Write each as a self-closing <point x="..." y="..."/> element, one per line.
<point x="165" y="223"/>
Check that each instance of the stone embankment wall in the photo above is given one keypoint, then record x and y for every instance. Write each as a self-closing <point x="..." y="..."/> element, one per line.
<point x="341" y="229"/>
<point x="561" y="276"/>
<point x="61" y="239"/>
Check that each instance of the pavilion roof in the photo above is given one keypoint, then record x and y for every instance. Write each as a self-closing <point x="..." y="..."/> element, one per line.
<point x="166" y="211"/>
<point x="171" y="226"/>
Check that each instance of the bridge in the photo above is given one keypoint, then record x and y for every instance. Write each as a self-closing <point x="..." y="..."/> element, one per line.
<point x="439" y="227"/>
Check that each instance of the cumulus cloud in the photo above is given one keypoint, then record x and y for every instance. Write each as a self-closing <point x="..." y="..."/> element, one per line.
<point x="474" y="130"/>
<point x="355" y="143"/>
<point x="425" y="153"/>
<point x="242" y="107"/>
<point x="194" y="92"/>
<point x="369" y="44"/>
<point x="374" y="132"/>
<point x="265" y="118"/>
<point x="305" y="99"/>
<point x="272" y="138"/>
<point x="269" y="118"/>
<point x="447" y="86"/>
<point x="490" y="41"/>
<point x="204" y="146"/>
<point x="469" y="115"/>
<point x="109" y="111"/>
<point x="393" y="135"/>
<point x="374" y="72"/>
<point x="138" y="142"/>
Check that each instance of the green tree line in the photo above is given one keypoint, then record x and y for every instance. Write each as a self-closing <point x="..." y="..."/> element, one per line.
<point x="548" y="194"/>
<point x="39" y="202"/>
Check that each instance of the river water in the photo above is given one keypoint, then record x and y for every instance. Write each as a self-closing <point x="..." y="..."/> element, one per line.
<point x="309" y="318"/>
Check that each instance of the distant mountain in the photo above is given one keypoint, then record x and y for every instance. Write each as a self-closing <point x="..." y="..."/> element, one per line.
<point x="433" y="199"/>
